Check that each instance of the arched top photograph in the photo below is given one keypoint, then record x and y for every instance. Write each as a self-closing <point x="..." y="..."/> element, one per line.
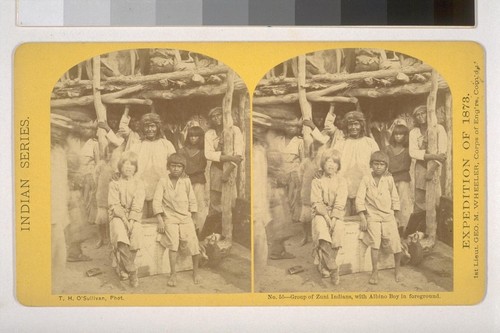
<point x="353" y="137"/>
<point x="148" y="151"/>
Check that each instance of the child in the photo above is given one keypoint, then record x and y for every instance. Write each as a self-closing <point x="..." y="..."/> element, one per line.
<point x="126" y="199"/>
<point x="328" y="199"/>
<point x="399" y="167"/>
<point x="193" y="152"/>
<point x="174" y="203"/>
<point x="376" y="201"/>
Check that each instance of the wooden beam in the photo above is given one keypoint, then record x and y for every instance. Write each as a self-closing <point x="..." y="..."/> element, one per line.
<point x="175" y="76"/>
<point x="111" y="98"/>
<point x="432" y="148"/>
<point x="228" y="135"/>
<point x="204" y="90"/>
<point x="407" y="89"/>
<point x="383" y="73"/>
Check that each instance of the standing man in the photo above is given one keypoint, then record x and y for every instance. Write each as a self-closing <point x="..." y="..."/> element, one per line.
<point x="153" y="151"/>
<point x="356" y="151"/>
<point x="426" y="165"/>
<point x="214" y="144"/>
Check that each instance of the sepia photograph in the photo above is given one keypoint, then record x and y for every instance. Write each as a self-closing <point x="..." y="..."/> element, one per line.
<point x="150" y="179"/>
<point x="352" y="174"/>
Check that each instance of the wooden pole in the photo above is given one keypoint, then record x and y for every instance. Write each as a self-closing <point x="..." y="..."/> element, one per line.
<point x="305" y="106"/>
<point x="448" y="109"/>
<point x="432" y="148"/>
<point x="227" y="132"/>
<point x="96" y="89"/>
<point x="243" y="108"/>
<point x="100" y="109"/>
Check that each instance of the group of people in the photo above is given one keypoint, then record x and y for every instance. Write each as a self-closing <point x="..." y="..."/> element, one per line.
<point x="319" y="178"/>
<point x="114" y="174"/>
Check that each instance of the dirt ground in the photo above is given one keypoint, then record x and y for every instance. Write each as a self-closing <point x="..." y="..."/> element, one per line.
<point x="231" y="276"/>
<point x="435" y="273"/>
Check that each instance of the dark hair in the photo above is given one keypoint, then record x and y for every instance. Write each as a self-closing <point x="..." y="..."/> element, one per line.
<point x="400" y="129"/>
<point x="196" y="131"/>
<point x="176" y="158"/>
<point x="354" y="116"/>
<point x="379" y="156"/>
<point x="128" y="156"/>
<point x="154" y="118"/>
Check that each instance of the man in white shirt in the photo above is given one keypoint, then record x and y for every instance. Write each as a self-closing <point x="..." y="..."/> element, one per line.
<point x="214" y="144"/>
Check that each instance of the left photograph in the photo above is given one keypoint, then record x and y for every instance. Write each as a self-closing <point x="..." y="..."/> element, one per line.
<point x="150" y="176"/>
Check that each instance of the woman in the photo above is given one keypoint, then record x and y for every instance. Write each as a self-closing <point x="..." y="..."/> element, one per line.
<point x="399" y="167"/>
<point x="196" y="164"/>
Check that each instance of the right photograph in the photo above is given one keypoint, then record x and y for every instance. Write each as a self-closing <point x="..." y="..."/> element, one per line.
<point x="352" y="174"/>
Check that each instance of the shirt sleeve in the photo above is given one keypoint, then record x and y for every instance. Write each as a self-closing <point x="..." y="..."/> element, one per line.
<point x="442" y="140"/>
<point x="413" y="148"/>
<point x="317" y="198"/>
<point x="395" y="203"/>
<point x="124" y="122"/>
<point x="319" y="137"/>
<point x="169" y="147"/>
<point x="114" y="197"/>
<point x="300" y="148"/>
<point x="158" y="198"/>
<point x="210" y="152"/>
<point x="114" y="139"/>
<point x="361" y="196"/>
<point x="137" y="202"/>
<point x="238" y="141"/>
<point x="340" y="200"/>
<point x="193" y="204"/>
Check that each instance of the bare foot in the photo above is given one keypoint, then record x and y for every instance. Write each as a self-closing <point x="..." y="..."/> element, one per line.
<point x="196" y="278"/>
<point x="172" y="281"/>
<point x="373" y="278"/>
<point x="398" y="276"/>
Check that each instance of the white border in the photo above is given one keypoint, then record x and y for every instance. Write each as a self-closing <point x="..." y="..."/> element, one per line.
<point x="480" y="318"/>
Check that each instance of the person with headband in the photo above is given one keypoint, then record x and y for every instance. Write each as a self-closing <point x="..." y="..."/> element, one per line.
<point x="355" y="152"/>
<point x="153" y="151"/>
<point x="426" y="166"/>
<point x="214" y="152"/>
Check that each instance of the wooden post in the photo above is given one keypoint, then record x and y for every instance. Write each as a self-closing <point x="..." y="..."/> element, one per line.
<point x="100" y="109"/>
<point x="305" y="106"/>
<point x="243" y="107"/>
<point x="432" y="148"/>
<point x="448" y="188"/>
<point x="227" y="132"/>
